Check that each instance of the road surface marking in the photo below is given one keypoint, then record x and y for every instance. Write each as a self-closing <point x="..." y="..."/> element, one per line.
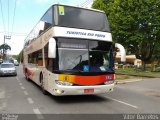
<point x="25" y="92"/>
<point x="22" y="87"/>
<point x="3" y="106"/>
<point x="38" y="114"/>
<point x="17" y="79"/>
<point x="123" y="102"/>
<point x="30" y="100"/>
<point x="2" y="94"/>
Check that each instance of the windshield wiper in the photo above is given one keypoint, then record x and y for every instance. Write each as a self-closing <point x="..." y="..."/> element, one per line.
<point x="76" y="70"/>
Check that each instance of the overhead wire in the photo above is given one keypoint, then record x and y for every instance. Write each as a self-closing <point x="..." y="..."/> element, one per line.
<point x="19" y="34"/>
<point x="15" y="5"/>
<point x="82" y="4"/>
<point x="8" y="17"/>
<point x="2" y="15"/>
<point x="89" y="2"/>
<point x="10" y="25"/>
<point x="86" y="3"/>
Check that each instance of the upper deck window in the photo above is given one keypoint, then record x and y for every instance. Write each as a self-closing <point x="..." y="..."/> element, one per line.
<point x="82" y="18"/>
<point x="47" y="19"/>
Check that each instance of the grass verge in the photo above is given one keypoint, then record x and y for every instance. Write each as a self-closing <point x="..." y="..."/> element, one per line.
<point x="131" y="73"/>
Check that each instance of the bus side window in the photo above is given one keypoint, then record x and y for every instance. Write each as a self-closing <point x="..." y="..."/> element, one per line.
<point x="36" y="58"/>
<point x="48" y="61"/>
<point x="50" y="64"/>
<point x="39" y="58"/>
<point x="30" y="59"/>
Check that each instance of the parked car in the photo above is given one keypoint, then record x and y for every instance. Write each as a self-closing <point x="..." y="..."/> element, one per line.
<point x="7" y="69"/>
<point x="8" y="61"/>
<point x="16" y="63"/>
<point x="1" y="61"/>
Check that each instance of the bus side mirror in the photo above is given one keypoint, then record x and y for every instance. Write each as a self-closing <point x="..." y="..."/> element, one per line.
<point x="52" y="48"/>
<point x="122" y="51"/>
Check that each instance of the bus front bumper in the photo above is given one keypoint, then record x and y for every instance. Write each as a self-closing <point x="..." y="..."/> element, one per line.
<point x="82" y="90"/>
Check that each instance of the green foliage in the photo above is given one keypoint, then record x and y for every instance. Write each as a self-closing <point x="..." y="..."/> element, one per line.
<point x="156" y="53"/>
<point x="157" y="69"/>
<point x="20" y="57"/>
<point x="134" y="23"/>
<point x="5" y="47"/>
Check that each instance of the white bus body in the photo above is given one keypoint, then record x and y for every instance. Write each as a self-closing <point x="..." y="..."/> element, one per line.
<point x="70" y="57"/>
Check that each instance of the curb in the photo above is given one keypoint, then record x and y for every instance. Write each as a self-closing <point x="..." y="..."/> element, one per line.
<point x="127" y="81"/>
<point x="138" y="75"/>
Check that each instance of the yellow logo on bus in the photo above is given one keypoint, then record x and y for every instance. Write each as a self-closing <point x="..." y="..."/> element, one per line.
<point x="61" y="10"/>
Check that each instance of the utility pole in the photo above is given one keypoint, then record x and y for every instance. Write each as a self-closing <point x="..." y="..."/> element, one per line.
<point x="4" y="43"/>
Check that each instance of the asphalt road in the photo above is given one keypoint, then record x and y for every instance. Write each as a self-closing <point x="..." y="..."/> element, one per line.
<point x="19" y="96"/>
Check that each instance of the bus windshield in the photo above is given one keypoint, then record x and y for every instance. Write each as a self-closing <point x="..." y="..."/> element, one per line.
<point x="85" y="55"/>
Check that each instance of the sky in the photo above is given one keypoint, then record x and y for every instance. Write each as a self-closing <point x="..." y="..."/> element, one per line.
<point x="27" y="13"/>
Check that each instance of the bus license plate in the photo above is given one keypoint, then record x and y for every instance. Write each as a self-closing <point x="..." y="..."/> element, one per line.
<point x="88" y="90"/>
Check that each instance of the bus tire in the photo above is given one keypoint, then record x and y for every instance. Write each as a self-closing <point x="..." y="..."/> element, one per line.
<point x="42" y="84"/>
<point x="26" y="77"/>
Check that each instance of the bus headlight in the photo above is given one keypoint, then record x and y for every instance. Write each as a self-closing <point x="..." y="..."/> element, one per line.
<point x="109" y="82"/>
<point x="58" y="82"/>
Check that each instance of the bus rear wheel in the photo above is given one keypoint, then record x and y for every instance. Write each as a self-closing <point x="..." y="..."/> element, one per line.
<point x="27" y="78"/>
<point x="42" y="84"/>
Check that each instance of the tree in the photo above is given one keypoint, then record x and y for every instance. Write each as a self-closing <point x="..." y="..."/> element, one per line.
<point x="20" y="57"/>
<point x="134" y="23"/>
<point x="4" y="47"/>
<point x="156" y="54"/>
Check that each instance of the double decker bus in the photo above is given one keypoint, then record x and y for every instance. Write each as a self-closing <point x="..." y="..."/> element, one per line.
<point x="70" y="52"/>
